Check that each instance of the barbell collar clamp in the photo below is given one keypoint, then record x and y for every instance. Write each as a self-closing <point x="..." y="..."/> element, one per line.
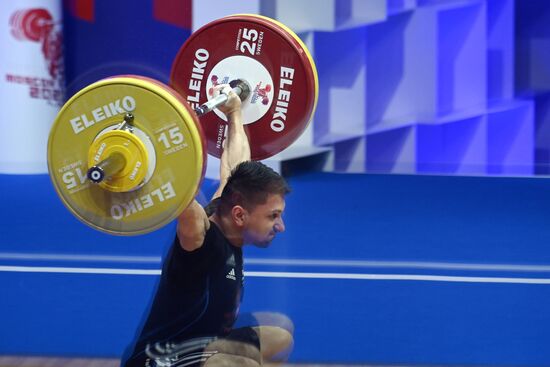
<point x="107" y="168"/>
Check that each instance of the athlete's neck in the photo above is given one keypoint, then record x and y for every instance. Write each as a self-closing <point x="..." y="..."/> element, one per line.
<point x="229" y="229"/>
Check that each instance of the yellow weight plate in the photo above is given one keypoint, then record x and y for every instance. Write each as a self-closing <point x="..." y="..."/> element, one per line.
<point x="169" y="126"/>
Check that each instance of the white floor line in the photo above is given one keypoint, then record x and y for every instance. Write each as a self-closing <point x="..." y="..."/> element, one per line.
<point x="47" y="269"/>
<point x="295" y="275"/>
<point x="88" y="258"/>
<point x="293" y="262"/>
<point x="408" y="277"/>
<point x="400" y="264"/>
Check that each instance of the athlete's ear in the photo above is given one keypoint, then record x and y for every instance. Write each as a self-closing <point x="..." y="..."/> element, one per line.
<point x="239" y="215"/>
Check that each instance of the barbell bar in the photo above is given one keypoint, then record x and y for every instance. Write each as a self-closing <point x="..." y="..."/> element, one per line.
<point x="127" y="154"/>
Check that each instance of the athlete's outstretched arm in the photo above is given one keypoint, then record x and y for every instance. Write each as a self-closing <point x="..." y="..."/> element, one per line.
<point x="237" y="147"/>
<point x="193" y="221"/>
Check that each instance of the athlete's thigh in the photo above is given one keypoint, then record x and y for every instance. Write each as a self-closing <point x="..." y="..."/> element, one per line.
<point x="230" y="360"/>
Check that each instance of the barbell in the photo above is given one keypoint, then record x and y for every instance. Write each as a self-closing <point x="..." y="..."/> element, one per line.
<point x="127" y="154"/>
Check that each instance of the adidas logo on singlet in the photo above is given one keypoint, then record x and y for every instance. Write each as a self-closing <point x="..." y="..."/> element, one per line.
<point x="231" y="275"/>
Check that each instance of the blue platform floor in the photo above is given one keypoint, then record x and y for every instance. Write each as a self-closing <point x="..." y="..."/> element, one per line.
<point x="372" y="269"/>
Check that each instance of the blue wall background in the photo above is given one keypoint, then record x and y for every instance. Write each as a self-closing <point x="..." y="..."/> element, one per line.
<point x="378" y="269"/>
<point x="442" y="86"/>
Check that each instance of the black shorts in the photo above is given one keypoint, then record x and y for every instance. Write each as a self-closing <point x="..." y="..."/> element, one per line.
<point x="189" y="353"/>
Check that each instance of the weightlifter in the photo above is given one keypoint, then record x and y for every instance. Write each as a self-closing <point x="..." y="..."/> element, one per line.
<point x="192" y="318"/>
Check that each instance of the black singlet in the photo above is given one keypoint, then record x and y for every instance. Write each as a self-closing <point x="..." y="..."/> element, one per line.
<point x="198" y="295"/>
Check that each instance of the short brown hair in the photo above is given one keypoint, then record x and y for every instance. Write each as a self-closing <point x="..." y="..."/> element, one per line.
<point x="249" y="185"/>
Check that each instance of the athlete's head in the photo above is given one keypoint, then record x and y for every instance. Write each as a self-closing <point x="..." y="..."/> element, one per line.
<point x="254" y="197"/>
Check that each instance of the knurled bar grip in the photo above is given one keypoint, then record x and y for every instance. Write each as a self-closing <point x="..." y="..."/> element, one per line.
<point x="240" y="88"/>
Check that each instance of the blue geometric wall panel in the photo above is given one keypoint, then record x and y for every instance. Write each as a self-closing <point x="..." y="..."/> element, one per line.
<point x="430" y="75"/>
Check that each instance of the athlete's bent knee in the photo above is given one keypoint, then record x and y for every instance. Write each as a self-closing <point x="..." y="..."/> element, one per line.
<point x="276" y="343"/>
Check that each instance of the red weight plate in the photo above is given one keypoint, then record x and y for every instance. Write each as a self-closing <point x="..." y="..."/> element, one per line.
<point x="271" y="59"/>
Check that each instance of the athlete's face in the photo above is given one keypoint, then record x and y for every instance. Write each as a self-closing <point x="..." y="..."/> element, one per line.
<point x="265" y="221"/>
